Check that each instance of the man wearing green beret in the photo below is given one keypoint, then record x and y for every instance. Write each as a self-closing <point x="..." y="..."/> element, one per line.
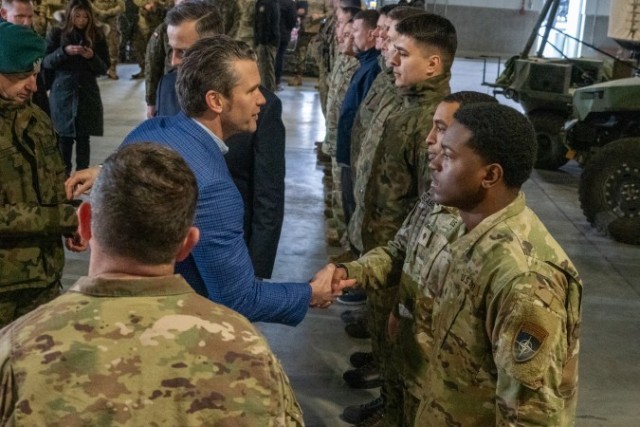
<point x="34" y="211"/>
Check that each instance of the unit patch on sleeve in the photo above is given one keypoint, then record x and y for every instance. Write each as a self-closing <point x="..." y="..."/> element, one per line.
<point x="528" y="341"/>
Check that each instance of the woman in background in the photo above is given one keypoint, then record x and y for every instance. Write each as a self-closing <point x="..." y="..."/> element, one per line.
<point x="77" y="53"/>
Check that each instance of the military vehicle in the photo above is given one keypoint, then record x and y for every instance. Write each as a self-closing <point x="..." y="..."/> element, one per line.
<point x="545" y="86"/>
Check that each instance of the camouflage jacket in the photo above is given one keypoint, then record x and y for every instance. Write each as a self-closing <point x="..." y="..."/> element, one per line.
<point x="33" y="208"/>
<point x="157" y="62"/>
<point x="145" y="351"/>
<point x="339" y="81"/>
<point x="382" y="92"/>
<point x="392" y="168"/>
<point x="316" y="13"/>
<point x="108" y="10"/>
<point x="247" y="12"/>
<point x="496" y="318"/>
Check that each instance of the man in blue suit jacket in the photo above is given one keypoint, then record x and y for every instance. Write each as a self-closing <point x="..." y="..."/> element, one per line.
<point x="218" y="90"/>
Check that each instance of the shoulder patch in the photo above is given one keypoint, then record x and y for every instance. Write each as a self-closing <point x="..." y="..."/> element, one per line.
<point x="528" y="341"/>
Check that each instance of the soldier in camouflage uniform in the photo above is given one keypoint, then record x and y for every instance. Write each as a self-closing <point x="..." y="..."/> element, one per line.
<point x="400" y="254"/>
<point x="311" y="14"/>
<point x="321" y="48"/>
<point x="345" y="67"/>
<point x="492" y="284"/>
<point x="132" y="344"/>
<point x="151" y="14"/>
<point x="392" y="167"/>
<point x="34" y="211"/>
<point x="231" y="14"/>
<point x="108" y="12"/>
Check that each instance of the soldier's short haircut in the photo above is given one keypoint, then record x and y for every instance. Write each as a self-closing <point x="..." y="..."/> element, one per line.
<point x="351" y="11"/>
<point x="432" y="30"/>
<point x="209" y="21"/>
<point x="369" y="18"/>
<point x="384" y="10"/>
<point x="402" y="12"/>
<point x="209" y="65"/>
<point x="143" y="203"/>
<point x="467" y="97"/>
<point x="502" y="135"/>
<point x="8" y="3"/>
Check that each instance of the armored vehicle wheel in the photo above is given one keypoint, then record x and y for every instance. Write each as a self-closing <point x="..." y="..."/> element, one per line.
<point x="610" y="190"/>
<point x="551" y="150"/>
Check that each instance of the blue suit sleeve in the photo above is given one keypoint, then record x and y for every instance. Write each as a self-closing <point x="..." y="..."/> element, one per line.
<point x="223" y="262"/>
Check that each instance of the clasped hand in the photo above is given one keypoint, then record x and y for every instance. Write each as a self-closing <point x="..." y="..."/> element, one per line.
<point x="328" y="284"/>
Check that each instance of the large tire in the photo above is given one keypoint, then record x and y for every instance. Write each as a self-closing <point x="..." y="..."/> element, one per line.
<point x="610" y="190"/>
<point x="552" y="152"/>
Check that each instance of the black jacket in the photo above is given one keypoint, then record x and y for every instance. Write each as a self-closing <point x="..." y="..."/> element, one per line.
<point x="266" y="24"/>
<point x="288" y="19"/>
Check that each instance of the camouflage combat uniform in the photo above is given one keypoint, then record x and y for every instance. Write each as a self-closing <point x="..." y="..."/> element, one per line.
<point x="344" y="69"/>
<point x="380" y="94"/>
<point x="492" y="317"/>
<point x="34" y="210"/>
<point x="144" y="351"/>
<point x="321" y="49"/>
<point x="391" y="171"/>
<point x="157" y="62"/>
<point x="148" y="21"/>
<point x="309" y="28"/>
<point x="247" y="11"/>
<point x="107" y="12"/>
<point x="231" y="15"/>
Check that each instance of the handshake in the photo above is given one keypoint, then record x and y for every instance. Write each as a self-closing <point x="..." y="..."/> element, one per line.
<point x="328" y="284"/>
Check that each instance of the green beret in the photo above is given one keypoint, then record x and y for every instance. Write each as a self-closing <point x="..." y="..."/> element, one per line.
<point x="22" y="49"/>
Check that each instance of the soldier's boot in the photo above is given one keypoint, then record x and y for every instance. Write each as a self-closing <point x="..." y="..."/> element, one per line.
<point x="356" y="414"/>
<point x="375" y="420"/>
<point x="364" y="377"/>
<point x="138" y="75"/>
<point x="111" y="73"/>
<point x="296" y="80"/>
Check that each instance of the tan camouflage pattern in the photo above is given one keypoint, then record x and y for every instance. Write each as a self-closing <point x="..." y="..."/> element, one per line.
<point x="33" y="207"/>
<point x="321" y="47"/>
<point x="43" y="19"/>
<point x="107" y="12"/>
<point x="231" y="13"/>
<point x="247" y="12"/>
<point x="148" y="21"/>
<point x="316" y="13"/>
<point x="392" y="168"/>
<point x="476" y="292"/>
<point x="140" y="352"/>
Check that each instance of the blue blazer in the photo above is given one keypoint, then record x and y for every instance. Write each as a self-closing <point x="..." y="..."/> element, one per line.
<point x="219" y="267"/>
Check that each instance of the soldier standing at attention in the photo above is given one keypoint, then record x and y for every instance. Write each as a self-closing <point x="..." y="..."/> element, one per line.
<point x="495" y="320"/>
<point x="266" y="36"/>
<point x="33" y="207"/>
<point x="107" y="12"/>
<point x="311" y="13"/>
<point x="392" y="168"/>
<point x="139" y="343"/>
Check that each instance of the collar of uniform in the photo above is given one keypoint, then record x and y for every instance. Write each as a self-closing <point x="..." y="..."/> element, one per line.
<point x="7" y="107"/>
<point x="514" y="208"/>
<point x="220" y="143"/>
<point x="132" y="287"/>
<point x="434" y="86"/>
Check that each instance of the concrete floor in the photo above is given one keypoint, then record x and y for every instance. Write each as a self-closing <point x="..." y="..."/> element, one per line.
<point x="315" y="353"/>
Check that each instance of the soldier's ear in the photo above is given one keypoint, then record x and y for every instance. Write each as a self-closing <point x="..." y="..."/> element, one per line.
<point x="84" y="221"/>
<point x="191" y="239"/>
<point x="493" y="175"/>
<point x="434" y="65"/>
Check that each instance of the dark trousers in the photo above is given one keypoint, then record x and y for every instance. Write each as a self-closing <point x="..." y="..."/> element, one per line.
<point x="348" y="200"/>
<point x="82" y="152"/>
<point x="282" y="49"/>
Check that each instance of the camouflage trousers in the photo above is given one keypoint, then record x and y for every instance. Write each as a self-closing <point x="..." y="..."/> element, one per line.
<point x="141" y="37"/>
<point x="14" y="304"/>
<point x="301" y="53"/>
<point x="338" y="220"/>
<point x="113" y="41"/>
<point x="266" y="64"/>
<point x="378" y="307"/>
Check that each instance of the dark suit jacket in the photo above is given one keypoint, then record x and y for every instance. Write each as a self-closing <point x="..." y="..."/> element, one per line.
<point x="257" y="165"/>
<point x="219" y="266"/>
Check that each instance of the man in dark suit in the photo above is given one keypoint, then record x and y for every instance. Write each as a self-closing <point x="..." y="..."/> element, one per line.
<point x="255" y="160"/>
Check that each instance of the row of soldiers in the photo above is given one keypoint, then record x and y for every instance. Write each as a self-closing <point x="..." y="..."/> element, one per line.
<point x="378" y="210"/>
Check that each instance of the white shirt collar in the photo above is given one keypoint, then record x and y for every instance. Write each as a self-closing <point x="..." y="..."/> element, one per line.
<point x="220" y="143"/>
